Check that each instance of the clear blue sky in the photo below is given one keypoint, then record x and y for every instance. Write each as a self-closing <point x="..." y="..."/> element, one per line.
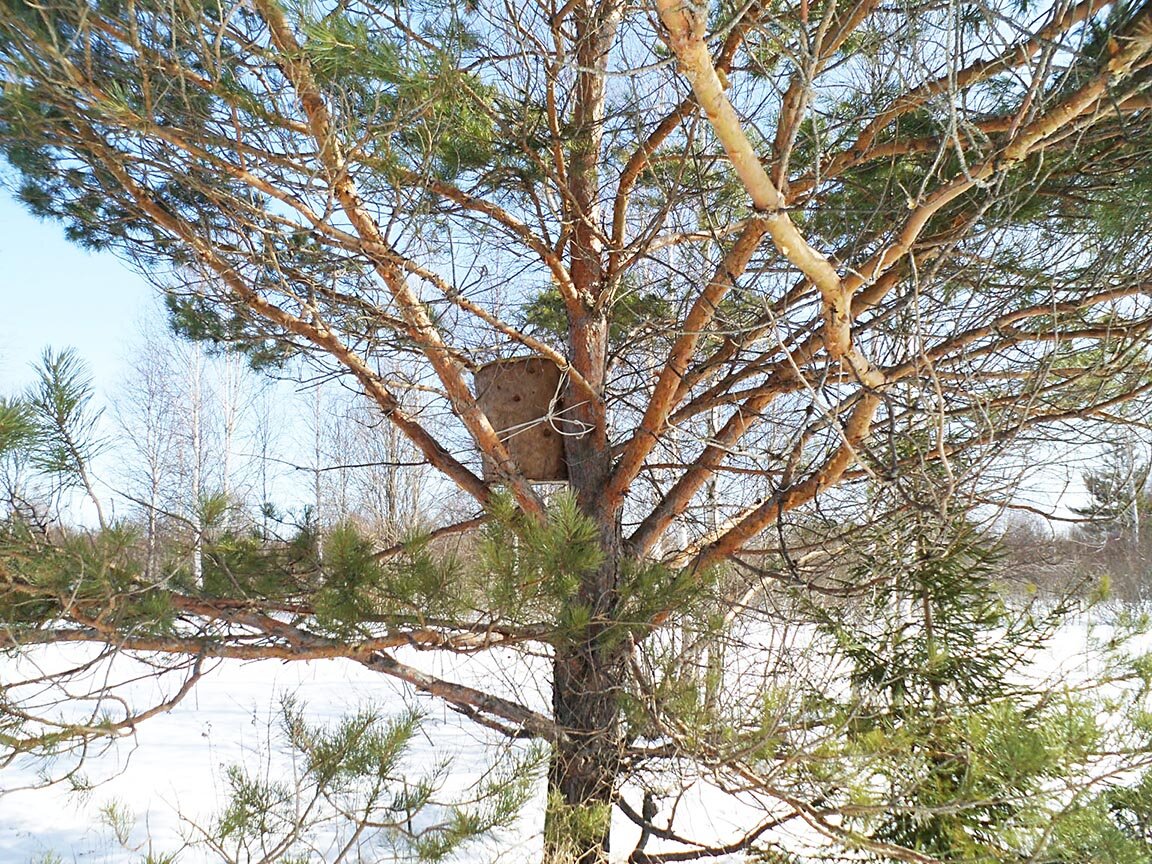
<point x="54" y="293"/>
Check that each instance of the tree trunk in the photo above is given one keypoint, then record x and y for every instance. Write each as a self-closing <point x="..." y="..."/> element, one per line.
<point x="582" y="774"/>
<point x="587" y="679"/>
<point x="589" y="665"/>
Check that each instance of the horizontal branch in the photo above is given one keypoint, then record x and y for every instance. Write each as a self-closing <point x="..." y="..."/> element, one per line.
<point x="292" y="643"/>
<point x="536" y="725"/>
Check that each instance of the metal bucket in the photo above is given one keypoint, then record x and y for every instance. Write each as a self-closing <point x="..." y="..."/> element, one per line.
<point x="522" y="397"/>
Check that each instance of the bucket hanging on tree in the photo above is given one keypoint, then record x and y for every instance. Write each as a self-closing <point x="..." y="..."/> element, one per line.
<point x="523" y="398"/>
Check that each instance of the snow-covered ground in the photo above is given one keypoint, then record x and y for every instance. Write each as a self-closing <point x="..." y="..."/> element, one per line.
<point x="170" y="774"/>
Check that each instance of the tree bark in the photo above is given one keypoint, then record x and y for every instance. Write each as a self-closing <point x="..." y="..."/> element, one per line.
<point x="587" y="680"/>
<point x="588" y="663"/>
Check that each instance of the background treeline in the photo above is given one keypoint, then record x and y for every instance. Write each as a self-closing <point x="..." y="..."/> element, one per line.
<point x="192" y="441"/>
<point x="1103" y="544"/>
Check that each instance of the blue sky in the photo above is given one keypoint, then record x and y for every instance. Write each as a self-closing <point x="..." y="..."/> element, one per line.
<point x="52" y="292"/>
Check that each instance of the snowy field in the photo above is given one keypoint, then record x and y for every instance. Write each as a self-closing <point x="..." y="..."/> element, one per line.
<point x="170" y="775"/>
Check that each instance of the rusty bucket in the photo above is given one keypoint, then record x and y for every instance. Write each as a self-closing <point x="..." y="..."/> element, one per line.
<point x="522" y="397"/>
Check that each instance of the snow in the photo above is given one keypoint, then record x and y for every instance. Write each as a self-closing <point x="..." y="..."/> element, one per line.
<point x="169" y="774"/>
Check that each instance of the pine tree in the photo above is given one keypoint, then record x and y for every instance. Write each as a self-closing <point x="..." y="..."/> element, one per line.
<point x="1117" y="495"/>
<point x="805" y="269"/>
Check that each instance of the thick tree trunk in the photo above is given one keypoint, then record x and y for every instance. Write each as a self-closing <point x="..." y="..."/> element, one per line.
<point x="589" y="666"/>
<point x="588" y="676"/>
<point x="583" y="771"/>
